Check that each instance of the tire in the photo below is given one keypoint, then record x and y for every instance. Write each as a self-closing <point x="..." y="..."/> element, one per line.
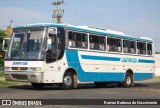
<point x="67" y="81"/>
<point x="38" y="85"/>
<point x="100" y="84"/>
<point x="128" y="81"/>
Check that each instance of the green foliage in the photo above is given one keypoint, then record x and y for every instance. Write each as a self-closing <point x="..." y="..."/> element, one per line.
<point x="2" y="53"/>
<point x="2" y="33"/>
<point x="1" y="61"/>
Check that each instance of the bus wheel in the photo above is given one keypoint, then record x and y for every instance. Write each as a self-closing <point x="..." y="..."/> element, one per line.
<point x="37" y="85"/>
<point x="67" y="81"/>
<point x="128" y="81"/>
<point x="100" y="84"/>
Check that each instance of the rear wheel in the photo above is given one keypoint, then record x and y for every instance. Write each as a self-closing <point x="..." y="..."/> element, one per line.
<point x="37" y="85"/>
<point x="67" y="81"/>
<point x="128" y="81"/>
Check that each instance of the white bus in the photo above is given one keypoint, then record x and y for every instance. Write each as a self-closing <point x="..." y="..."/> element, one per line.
<point x="67" y="55"/>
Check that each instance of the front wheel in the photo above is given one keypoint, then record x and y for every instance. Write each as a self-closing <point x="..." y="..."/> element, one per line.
<point x="67" y="81"/>
<point x="38" y="85"/>
<point x="128" y="81"/>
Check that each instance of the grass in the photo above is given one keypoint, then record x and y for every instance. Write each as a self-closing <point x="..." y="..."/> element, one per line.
<point x="10" y="83"/>
<point x="1" y="74"/>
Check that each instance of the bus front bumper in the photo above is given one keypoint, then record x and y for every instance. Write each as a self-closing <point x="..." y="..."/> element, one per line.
<point x="35" y="77"/>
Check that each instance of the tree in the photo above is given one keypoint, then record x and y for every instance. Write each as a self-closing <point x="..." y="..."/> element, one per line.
<point x="2" y="53"/>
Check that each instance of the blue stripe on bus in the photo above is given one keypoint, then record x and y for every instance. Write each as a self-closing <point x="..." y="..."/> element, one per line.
<point x="73" y="62"/>
<point x="146" y="61"/>
<point x="142" y="76"/>
<point x="112" y="59"/>
<point x="100" y="58"/>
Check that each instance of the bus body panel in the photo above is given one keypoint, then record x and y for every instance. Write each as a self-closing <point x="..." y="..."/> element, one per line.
<point x="101" y="67"/>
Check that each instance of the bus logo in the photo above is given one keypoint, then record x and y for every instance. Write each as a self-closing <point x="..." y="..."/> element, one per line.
<point x="20" y="63"/>
<point x="131" y="60"/>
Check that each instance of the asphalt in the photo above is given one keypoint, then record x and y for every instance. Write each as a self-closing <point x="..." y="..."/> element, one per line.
<point x="148" y="89"/>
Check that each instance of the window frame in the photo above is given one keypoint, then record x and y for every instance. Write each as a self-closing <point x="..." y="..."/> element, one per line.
<point x="103" y="39"/>
<point x="142" y="49"/>
<point x="121" y="45"/>
<point x="129" y="52"/>
<point x="151" y="48"/>
<point x="75" y="39"/>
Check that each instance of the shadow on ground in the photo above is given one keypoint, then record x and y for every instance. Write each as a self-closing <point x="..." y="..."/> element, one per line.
<point x="80" y="86"/>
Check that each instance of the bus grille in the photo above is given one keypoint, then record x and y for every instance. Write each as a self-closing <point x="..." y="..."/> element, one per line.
<point x="19" y="68"/>
<point x="19" y="77"/>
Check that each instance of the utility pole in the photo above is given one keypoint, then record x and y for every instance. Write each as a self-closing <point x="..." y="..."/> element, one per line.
<point x="57" y="13"/>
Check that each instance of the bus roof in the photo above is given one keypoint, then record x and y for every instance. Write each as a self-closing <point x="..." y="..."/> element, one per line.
<point x="88" y="29"/>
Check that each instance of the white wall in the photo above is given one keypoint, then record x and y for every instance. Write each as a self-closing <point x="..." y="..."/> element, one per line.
<point x="157" y="65"/>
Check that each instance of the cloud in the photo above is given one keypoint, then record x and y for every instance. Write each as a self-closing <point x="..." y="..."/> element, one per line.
<point x="22" y="16"/>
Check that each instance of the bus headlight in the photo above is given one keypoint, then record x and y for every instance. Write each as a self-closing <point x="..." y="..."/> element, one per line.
<point x="36" y="69"/>
<point x="7" y="68"/>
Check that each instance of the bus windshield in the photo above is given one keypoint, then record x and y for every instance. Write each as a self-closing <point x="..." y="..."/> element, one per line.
<point x="26" y="44"/>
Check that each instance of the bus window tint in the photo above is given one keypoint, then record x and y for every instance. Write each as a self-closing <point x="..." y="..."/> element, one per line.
<point x="114" y="44"/>
<point x="71" y="39"/>
<point x="129" y="46"/>
<point x="78" y="40"/>
<point x="149" y="48"/>
<point x="97" y="42"/>
<point x="141" y="48"/>
<point x="84" y="41"/>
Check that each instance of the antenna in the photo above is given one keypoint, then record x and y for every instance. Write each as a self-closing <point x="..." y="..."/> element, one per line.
<point x="57" y="13"/>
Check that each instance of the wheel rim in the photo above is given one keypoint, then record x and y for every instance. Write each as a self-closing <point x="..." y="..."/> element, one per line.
<point x="128" y="80"/>
<point x="68" y="81"/>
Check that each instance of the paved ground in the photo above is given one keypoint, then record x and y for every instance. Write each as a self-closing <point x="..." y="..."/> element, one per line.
<point x="149" y="89"/>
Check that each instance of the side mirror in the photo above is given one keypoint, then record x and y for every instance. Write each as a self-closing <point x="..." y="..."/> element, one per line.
<point x="5" y="44"/>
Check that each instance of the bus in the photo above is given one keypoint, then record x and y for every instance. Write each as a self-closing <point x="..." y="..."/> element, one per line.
<point x="63" y="54"/>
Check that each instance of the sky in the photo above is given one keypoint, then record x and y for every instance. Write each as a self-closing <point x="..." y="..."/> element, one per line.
<point x="138" y="18"/>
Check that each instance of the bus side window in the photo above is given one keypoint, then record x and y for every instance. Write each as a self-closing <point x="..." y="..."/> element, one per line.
<point x="114" y="44"/>
<point x="149" y="48"/>
<point x="129" y="46"/>
<point x="84" y="41"/>
<point x="97" y="42"/>
<point x="102" y="44"/>
<point x="94" y="42"/>
<point x="78" y="40"/>
<point x="70" y="40"/>
<point x="141" y="48"/>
